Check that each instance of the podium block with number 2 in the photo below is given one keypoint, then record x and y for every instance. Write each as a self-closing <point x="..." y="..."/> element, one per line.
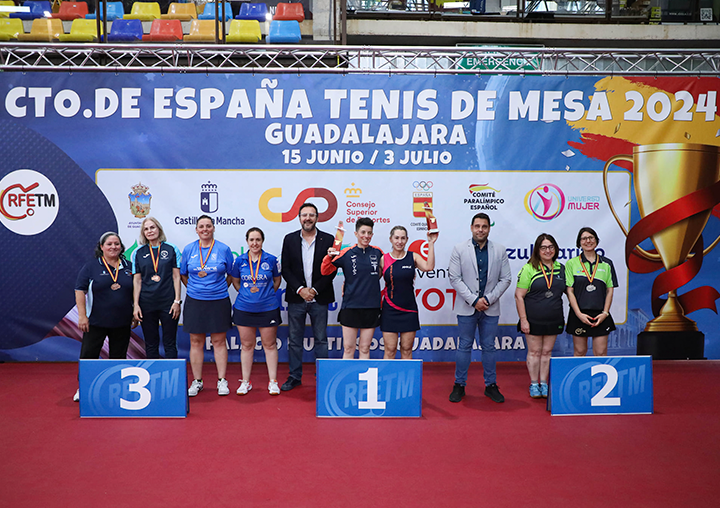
<point x="133" y="388"/>
<point x="601" y="385"/>
<point x="369" y="388"/>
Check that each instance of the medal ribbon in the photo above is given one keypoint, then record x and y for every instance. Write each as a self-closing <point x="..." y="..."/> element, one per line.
<point x="203" y="262"/>
<point x="155" y="260"/>
<point x="117" y="270"/>
<point x="591" y="278"/>
<point x="548" y="280"/>
<point x="257" y="268"/>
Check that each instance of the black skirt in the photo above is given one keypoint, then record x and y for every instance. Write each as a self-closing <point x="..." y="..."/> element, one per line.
<point x="265" y="319"/>
<point x="207" y="316"/>
<point x="359" y="318"/>
<point x="579" y="329"/>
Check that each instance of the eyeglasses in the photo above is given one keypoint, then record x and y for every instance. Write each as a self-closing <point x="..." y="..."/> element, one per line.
<point x="547" y="247"/>
<point x="587" y="238"/>
<point x="308" y="215"/>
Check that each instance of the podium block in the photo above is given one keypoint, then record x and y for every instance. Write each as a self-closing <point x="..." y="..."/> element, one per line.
<point x="369" y="388"/>
<point x="601" y="385"/>
<point x="133" y="388"/>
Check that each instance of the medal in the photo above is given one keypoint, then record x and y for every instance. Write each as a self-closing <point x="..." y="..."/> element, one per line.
<point x="254" y="276"/>
<point x="115" y="285"/>
<point x="203" y="262"/>
<point x="590" y="288"/>
<point x="548" y="294"/>
<point x="155" y="261"/>
<point x="548" y="280"/>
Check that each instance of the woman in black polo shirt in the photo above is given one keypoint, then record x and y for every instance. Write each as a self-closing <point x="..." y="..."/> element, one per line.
<point x="104" y="298"/>
<point x="156" y="269"/>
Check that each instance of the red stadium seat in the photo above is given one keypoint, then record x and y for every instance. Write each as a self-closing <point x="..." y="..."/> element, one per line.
<point x="288" y="12"/>
<point x="71" y="10"/>
<point x="165" y="30"/>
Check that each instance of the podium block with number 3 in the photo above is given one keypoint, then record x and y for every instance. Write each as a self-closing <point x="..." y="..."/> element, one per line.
<point x="369" y="388"/>
<point x="133" y="388"/>
<point x="601" y="385"/>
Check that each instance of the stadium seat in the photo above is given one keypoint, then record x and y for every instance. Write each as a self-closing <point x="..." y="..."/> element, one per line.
<point x="126" y="30"/>
<point x="258" y="12"/>
<point x="115" y="10"/>
<point x="144" y="11"/>
<point x="183" y="12"/>
<point x="165" y="30"/>
<point x="6" y="3"/>
<point x="201" y="30"/>
<point x="45" y="29"/>
<point x="244" y="31"/>
<point x="209" y="11"/>
<point x="71" y="10"/>
<point x="284" y="32"/>
<point x="38" y="9"/>
<point x="82" y="30"/>
<point x="286" y="12"/>
<point x="10" y="28"/>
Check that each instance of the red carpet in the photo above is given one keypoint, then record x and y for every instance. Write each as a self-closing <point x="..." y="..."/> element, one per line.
<point x="261" y="451"/>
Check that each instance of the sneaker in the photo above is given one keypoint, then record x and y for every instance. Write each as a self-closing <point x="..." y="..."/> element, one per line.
<point x="195" y="387"/>
<point x="76" y="397"/>
<point x="273" y="387"/>
<point x="458" y="393"/>
<point x="535" y="391"/>
<point x="544" y="390"/>
<point x="493" y="392"/>
<point x="290" y="384"/>
<point x="223" y="387"/>
<point x="245" y="387"/>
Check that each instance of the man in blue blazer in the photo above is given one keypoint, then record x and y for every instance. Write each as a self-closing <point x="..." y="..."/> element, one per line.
<point x="480" y="273"/>
<point x="308" y="291"/>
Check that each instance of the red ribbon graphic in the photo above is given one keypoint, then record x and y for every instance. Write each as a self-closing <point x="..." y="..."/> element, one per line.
<point x="699" y="298"/>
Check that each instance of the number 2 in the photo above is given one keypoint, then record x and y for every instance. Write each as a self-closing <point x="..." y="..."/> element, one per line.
<point x="372" y="402"/>
<point x="601" y="399"/>
<point x="139" y="388"/>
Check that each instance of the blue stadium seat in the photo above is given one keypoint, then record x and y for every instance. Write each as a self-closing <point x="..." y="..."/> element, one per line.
<point x="126" y="30"/>
<point x="38" y="9"/>
<point x="115" y="10"/>
<point x="209" y="11"/>
<point x="284" y="32"/>
<point x="258" y="12"/>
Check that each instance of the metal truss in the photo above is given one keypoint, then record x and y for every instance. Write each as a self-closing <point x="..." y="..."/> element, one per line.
<point x="29" y="57"/>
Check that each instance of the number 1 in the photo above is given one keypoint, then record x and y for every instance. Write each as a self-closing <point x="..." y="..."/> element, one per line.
<point x="371" y="376"/>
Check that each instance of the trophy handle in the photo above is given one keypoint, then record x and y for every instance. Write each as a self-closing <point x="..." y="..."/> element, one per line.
<point x="647" y="255"/>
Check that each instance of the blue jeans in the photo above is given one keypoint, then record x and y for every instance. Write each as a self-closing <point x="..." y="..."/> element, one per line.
<point x="296" y="333"/>
<point x="487" y="326"/>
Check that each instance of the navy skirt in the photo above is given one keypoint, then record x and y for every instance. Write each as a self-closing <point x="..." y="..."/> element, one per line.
<point x="207" y="316"/>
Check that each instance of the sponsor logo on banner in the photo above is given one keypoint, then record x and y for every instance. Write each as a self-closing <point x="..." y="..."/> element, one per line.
<point x="589" y="203"/>
<point x="29" y="202"/>
<point x="365" y="208"/>
<point x="303" y="197"/>
<point x="140" y="200"/>
<point x="483" y="198"/>
<point x="208" y="198"/>
<point x="421" y="247"/>
<point x="421" y="195"/>
<point x="545" y="202"/>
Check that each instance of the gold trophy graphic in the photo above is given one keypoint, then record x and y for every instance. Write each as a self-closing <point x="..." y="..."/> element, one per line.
<point x="663" y="174"/>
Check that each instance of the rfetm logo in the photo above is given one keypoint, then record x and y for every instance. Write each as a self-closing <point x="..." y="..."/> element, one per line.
<point x="28" y="202"/>
<point x="313" y="192"/>
<point x="545" y="202"/>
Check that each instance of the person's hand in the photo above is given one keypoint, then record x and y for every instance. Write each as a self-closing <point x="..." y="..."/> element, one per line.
<point x="134" y="323"/>
<point x="524" y="325"/>
<point x="599" y="318"/>
<point x="174" y="310"/>
<point x="332" y="252"/>
<point x="137" y="314"/>
<point x="482" y="305"/>
<point x="307" y="294"/>
<point x="432" y="237"/>
<point x="586" y="319"/>
<point x="83" y="323"/>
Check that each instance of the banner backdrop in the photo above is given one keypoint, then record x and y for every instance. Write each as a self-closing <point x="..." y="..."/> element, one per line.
<point x="83" y="154"/>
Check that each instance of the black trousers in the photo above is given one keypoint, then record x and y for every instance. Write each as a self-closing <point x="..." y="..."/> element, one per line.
<point x="152" y="319"/>
<point x="93" y="339"/>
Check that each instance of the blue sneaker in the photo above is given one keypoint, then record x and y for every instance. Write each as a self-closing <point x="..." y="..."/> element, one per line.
<point x="544" y="390"/>
<point x="535" y="391"/>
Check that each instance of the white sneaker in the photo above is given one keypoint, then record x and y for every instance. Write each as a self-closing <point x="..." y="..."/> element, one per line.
<point x="76" y="397"/>
<point x="245" y="386"/>
<point x="273" y="387"/>
<point x="195" y="388"/>
<point x="223" y="387"/>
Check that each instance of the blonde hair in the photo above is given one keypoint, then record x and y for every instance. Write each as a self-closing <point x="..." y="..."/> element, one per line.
<point x="161" y="236"/>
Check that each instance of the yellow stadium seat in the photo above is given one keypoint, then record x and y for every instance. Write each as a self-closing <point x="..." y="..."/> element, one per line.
<point x="44" y="29"/>
<point x="183" y="12"/>
<point x="201" y="30"/>
<point x="10" y="28"/>
<point x="8" y="3"/>
<point x="82" y="30"/>
<point x="244" y="31"/>
<point x="144" y="11"/>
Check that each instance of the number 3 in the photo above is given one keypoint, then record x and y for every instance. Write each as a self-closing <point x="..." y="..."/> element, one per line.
<point x="600" y="399"/>
<point x="139" y="388"/>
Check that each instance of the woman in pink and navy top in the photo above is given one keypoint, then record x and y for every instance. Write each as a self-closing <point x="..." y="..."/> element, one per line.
<point x="399" y="309"/>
